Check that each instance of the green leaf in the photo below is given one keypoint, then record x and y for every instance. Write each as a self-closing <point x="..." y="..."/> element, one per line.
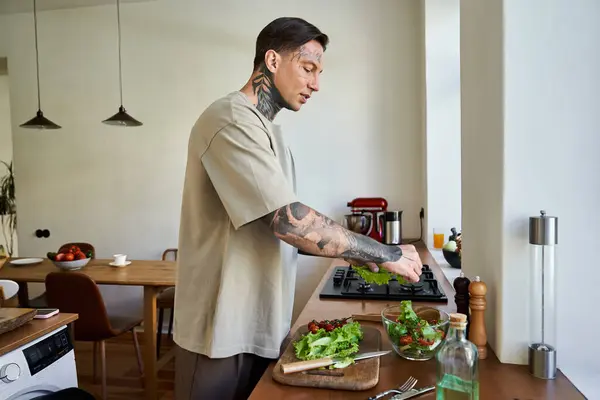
<point x="380" y="277"/>
<point x="340" y="342"/>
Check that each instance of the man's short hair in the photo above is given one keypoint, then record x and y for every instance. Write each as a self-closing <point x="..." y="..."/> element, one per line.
<point x="286" y="34"/>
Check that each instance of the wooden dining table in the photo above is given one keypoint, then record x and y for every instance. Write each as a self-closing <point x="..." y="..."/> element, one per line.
<point x="153" y="275"/>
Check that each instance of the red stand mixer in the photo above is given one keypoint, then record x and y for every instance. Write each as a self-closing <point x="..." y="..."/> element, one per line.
<point x="367" y="216"/>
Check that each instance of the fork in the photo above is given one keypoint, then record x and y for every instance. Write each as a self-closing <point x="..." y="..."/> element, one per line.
<point x="408" y="385"/>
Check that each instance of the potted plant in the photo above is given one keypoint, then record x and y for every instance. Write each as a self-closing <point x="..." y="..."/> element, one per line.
<point x="8" y="208"/>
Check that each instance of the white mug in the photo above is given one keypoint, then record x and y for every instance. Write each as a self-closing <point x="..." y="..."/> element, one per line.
<point x="120" y="259"/>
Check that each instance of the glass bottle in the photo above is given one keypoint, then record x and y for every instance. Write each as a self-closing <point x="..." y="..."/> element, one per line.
<point x="457" y="364"/>
<point x="2" y="252"/>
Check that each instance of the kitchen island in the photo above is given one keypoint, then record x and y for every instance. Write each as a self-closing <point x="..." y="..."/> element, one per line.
<point x="497" y="380"/>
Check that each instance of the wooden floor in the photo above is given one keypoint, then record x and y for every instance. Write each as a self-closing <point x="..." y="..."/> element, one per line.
<point x="123" y="377"/>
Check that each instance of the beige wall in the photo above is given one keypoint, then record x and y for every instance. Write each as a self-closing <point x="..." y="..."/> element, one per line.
<point x="120" y="188"/>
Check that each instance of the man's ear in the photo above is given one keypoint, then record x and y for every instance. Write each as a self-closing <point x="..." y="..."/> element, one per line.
<point x="272" y="60"/>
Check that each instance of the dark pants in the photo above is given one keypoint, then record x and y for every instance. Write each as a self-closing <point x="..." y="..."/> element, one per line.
<point x="198" y="377"/>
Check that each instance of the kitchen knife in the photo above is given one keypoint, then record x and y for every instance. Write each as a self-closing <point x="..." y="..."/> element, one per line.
<point x="412" y="393"/>
<point x="324" y="362"/>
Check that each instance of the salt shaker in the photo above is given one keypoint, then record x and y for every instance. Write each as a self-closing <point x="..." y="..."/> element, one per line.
<point x="477" y="302"/>
<point x="461" y="298"/>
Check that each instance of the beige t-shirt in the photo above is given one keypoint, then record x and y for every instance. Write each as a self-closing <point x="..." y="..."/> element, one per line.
<point x="235" y="279"/>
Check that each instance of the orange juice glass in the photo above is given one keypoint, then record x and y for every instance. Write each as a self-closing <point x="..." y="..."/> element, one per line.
<point x="438" y="238"/>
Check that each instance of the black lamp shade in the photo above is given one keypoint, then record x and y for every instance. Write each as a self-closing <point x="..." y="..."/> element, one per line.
<point x="40" y="122"/>
<point x="122" y="119"/>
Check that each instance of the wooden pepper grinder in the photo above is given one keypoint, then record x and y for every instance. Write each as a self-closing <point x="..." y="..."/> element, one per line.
<point x="461" y="298"/>
<point x="477" y="334"/>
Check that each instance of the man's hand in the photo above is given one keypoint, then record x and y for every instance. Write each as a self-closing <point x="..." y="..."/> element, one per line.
<point x="408" y="266"/>
<point x="314" y="233"/>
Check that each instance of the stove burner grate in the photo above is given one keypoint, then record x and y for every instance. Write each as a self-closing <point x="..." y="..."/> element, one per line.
<point x="345" y="283"/>
<point x="410" y="287"/>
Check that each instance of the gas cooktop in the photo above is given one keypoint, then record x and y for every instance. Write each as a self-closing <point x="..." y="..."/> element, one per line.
<point x="345" y="283"/>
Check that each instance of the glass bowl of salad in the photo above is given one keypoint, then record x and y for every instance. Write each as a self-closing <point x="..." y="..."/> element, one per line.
<point x="416" y="334"/>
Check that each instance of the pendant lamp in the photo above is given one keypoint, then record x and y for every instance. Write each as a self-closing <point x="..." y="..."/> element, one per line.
<point x="39" y="121"/>
<point x="121" y="118"/>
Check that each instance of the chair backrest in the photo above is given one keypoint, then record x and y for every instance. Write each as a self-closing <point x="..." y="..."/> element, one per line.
<point x="167" y="251"/>
<point x="85" y="247"/>
<point x="75" y="292"/>
<point x="9" y="288"/>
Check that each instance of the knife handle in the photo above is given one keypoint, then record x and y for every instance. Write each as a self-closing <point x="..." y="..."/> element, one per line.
<point x="299" y="366"/>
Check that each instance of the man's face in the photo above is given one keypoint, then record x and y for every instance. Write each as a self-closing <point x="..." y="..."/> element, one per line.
<point x="296" y="75"/>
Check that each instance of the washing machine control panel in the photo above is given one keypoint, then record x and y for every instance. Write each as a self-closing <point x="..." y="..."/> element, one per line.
<point x="47" y="351"/>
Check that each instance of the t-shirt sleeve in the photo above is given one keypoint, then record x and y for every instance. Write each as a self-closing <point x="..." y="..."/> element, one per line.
<point x="246" y="174"/>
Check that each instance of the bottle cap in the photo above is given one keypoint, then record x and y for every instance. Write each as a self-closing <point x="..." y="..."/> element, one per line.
<point x="543" y="230"/>
<point x="458" y="320"/>
<point x="458" y="317"/>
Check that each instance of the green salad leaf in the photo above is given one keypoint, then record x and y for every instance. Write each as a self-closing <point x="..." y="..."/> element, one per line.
<point x="340" y="342"/>
<point x="380" y="277"/>
<point x="343" y="364"/>
<point x="414" y="333"/>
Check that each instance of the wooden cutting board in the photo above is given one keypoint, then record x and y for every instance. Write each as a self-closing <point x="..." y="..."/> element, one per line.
<point x="12" y="318"/>
<point x="362" y="375"/>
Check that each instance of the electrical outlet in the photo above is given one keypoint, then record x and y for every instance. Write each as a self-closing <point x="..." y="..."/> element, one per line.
<point x="422" y="213"/>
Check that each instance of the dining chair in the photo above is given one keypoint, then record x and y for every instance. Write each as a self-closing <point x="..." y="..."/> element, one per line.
<point x="8" y="289"/>
<point x="41" y="301"/>
<point x="75" y="292"/>
<point x="165" y="300"/>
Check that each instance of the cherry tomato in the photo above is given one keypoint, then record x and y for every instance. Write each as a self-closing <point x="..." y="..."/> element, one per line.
<point x="404" y="340"/>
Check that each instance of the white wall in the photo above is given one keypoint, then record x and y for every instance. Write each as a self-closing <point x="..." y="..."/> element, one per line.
<point x="5" y="139"/>
<point x="5" y="126"/>
<point x="120" y="188"/>
<point x="530" y="141"/>
<point x="443" y="136"/>
<point x="482" y="152"/>
<point x="3" y="35"/>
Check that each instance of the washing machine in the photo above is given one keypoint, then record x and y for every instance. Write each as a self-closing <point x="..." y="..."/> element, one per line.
<point x="43" y="366"/>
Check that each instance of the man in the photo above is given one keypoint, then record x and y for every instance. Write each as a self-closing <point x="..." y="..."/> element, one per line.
<point x="241" y="224"/>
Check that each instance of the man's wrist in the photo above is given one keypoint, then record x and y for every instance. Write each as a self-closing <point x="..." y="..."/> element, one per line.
<point x="369" y="250"/>
<point x="395" y="253"/>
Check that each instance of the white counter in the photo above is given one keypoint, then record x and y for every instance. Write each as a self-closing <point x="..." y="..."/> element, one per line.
<point x="451" y="273"/>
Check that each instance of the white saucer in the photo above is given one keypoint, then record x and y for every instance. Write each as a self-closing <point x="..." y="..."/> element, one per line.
<point x="27" y="261"/>
<point x="112" y="264"/>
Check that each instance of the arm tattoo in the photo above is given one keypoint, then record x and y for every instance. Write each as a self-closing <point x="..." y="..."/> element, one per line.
<point x="315" y="233"/>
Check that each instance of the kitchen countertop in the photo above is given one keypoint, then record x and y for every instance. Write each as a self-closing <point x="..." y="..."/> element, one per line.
<point x="448" y="271"/>
<point x="32" y="330"/>
<point x="497" y="380"/>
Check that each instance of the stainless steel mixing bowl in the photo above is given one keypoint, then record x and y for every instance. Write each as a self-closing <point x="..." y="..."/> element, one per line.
<point x="359" y="223"/>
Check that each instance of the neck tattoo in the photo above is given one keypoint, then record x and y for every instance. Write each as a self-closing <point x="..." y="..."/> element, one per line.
<point x="269" y="99"/>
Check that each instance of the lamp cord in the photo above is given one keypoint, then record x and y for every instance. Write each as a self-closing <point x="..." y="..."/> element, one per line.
<point x="119" y="30"/>
<point x="37" y="58"/>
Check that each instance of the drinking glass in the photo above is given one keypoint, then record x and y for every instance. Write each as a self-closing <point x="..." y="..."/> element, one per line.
<point x="438" y="238"/>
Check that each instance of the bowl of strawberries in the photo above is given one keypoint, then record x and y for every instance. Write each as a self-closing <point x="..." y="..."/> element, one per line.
<point x="70" y="258"/>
